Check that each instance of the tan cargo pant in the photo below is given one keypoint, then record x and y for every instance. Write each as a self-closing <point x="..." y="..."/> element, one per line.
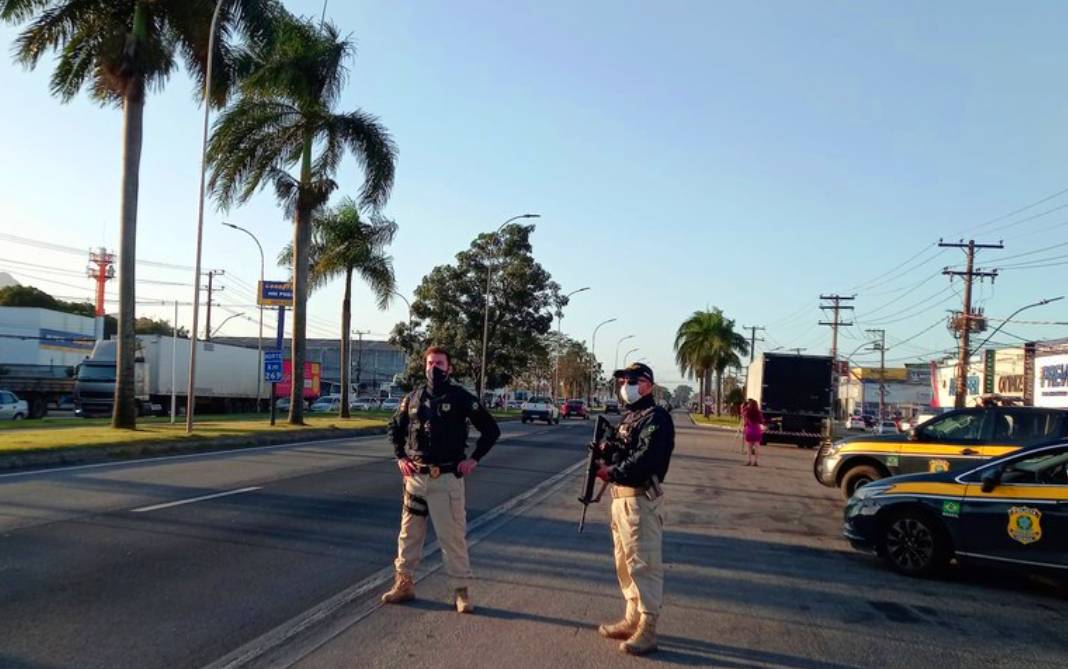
<point x="637" y="535"/>
<point x="442" y="500"/>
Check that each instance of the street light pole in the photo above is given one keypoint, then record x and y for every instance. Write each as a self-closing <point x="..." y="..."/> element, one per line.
<point x="559" y="332"/>
<point x="190" y="396"/>
<point x="621" y="340"/>
<point x="225" y="320"/>
<point x="1013" y="315"/>
<point x="409" y="305"/>
<point x="485" y="312"/>
<point x="593" y="356"/>
<point x="259" y="338"/>
<point x="627" y="355"/>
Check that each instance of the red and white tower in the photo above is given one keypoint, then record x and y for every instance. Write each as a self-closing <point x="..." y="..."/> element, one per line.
<point x="101" y="268"/>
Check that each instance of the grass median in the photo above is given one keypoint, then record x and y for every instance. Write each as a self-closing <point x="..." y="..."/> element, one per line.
<point x="721" y="421"/>
<point x="70" y="433"/>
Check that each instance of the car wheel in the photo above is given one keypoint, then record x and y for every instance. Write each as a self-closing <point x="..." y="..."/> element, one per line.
<point x="17" y="416"/>
<point x="857" y="477"/>
<point x="914" y="544"/>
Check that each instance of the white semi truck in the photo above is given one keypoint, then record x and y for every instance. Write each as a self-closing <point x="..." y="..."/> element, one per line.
<point x="225" y="381"/>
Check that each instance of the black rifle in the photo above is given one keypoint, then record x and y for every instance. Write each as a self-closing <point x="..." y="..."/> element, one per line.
<point x="602" y="450"/>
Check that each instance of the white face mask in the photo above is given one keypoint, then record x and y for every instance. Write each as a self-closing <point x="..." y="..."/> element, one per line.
<point x="629" y="393"/>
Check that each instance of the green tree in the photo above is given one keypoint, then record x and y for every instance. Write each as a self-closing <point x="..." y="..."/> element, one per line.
<point x="706" y="342"/>
<point x="120" y="49"/>
<point x="28" y="296"/>
<point x="448" y="308"/>
<point x="341" y="245"/>
<point x="163" y="327"/>
<point x="683" y="393"/>
<point x="284" y="119"/>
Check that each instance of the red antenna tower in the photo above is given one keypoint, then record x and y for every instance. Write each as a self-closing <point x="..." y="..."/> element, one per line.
<point x="101" y="267"/>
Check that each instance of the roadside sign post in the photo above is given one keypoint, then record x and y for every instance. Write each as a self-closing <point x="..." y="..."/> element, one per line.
<point x="275" y="294"/>
<point x="278" y="348"/>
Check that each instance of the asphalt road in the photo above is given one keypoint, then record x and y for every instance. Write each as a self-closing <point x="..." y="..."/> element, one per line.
<point x="100" y="568"/>
<point x="757" y="575"/>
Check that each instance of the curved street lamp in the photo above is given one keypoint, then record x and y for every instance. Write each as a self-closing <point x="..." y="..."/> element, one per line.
<point x="559" y="331"/>
<point x="409" y="305"/>
<point x="627" y="354"/>
<point x="485" y="312"/>
<point x="1036" y="304"/>
<point x="593" y="358"/>
<point x="190" y="395"/>
<point x="259" y="338"/>
<point x="225" y="320"/>
<point x="621" y="340"/>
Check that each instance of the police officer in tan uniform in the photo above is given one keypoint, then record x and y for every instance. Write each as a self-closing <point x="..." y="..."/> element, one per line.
<point x="429" y="434"/>
<point x="647" y="438"/>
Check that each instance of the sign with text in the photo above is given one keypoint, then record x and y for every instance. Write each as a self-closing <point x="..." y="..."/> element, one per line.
<point x="272" y="366"/>
<point x="275" y="294"/>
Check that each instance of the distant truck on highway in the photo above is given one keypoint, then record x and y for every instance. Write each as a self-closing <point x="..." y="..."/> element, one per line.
<point x="225" y="381"/>
<point x="39" y="351"/>
<point x="794" y="394"/>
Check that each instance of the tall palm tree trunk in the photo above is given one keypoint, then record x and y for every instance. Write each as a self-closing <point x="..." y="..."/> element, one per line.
<point x="346" y="325"/>
<point x="301" y="246"/>
<point x="124" y="412"/>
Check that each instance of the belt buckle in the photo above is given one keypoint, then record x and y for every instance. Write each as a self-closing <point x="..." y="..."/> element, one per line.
<point x="435" y="471"/>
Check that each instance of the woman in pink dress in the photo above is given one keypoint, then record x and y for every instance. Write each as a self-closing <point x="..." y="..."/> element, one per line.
<point x="752" y="429"/>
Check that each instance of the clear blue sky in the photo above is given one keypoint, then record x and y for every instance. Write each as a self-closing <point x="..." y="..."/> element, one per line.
<point x="682" y="155"/>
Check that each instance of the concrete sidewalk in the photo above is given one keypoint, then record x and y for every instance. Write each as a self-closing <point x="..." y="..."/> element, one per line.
<point x="757" y="576"/>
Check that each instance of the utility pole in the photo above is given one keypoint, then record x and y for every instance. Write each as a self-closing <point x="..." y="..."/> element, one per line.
<point x="753" y="338"/>
<point x="882" y="370"/>
<point x="207" y="321"/>
<point x="964" y="324"/>
<point x="359" y="356"/>
<point x="836" y="307"/>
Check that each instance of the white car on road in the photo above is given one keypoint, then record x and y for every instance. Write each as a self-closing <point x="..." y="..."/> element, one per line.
<point x="363" y="404"/>
<point x="11" y="407"/>
<point x="390" y="404"/>
<point x="540" y="408"/>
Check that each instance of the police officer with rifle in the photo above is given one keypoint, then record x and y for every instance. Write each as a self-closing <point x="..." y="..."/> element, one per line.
<point x="632" y="463"/>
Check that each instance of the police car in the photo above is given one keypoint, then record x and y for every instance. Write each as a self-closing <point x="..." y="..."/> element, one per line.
<point x="1012" y="510"/>
<point x="950" y="442"/>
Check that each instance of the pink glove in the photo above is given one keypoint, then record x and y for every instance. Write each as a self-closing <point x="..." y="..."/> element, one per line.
<point x="603" y="473"/>
<point x="406" y="466"/>
<point x="467" y="466"/>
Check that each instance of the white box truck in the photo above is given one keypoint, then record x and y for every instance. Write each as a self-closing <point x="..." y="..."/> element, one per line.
<point x="225" y="382"/>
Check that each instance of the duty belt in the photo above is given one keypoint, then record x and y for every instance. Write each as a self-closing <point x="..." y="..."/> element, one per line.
<point x="619" y="491"/>
<point x="435" y="470"/>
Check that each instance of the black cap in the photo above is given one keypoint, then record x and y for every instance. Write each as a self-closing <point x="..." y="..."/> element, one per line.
<point x="633" y="372"/>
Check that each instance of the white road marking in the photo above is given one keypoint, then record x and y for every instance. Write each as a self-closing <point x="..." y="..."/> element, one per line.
<point x="180" y="502"/>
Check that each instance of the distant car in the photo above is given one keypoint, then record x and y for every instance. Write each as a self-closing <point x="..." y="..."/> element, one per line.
<point x="390" y="404"/>
<point x="363" y="404"/>
<point x="514" y="404"/>
<point x="574" y="409"/>
<point x="611" y="406"/>
<point x="540" y="408"/>
<point x="886" y="427"/>
<point x="855" y="423"/>
<point x="11" y="407"/>
<point x="326" y="403"/>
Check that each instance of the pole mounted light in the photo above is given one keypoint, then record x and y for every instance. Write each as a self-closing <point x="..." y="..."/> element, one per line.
<point x="485" y="312"/>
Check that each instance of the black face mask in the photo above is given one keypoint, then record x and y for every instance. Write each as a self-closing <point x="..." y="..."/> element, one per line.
<point x="436" y="378"/>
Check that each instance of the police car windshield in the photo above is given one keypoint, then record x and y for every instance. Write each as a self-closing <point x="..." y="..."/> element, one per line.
<point x="1040" y="462"/>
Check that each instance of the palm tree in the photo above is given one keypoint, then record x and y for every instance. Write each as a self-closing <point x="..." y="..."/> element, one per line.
<point x="707" y="342"/>
<point x="121" y="49"/>
<point x="283" y="119"/>
<point x="341" y="245"/>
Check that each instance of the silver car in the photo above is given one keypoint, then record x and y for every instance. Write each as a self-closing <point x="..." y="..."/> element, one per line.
<point x="11" y="407"/>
